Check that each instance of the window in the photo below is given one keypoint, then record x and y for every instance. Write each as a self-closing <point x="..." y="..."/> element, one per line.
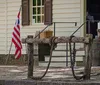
<point x="38" y="11"/>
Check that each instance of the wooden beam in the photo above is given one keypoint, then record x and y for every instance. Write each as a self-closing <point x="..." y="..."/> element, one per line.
<point x="57" y="40"/>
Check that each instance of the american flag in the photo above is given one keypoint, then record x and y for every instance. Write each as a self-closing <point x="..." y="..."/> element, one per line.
<point x="16" y="37"/>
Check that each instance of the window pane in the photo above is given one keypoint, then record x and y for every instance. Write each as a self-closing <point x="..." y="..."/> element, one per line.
<point x="34" y="2"/>
<point x="34" y="10"/>
<point x="42" y="2"/>
<point x="42" y="10"/>
<point x="38" y="10"/>
<point x="34" y="19"/>
<point x="38" y="19"/>
<point x="39" y="2"/>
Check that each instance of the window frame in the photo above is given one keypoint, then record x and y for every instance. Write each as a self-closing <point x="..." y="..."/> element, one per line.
<point x="31" y="13"/>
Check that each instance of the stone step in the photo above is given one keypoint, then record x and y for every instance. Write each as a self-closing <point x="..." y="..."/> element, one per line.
<point x="53" y="64"/>
<point x="60" y="58"/>
<point x="63" y="53"/>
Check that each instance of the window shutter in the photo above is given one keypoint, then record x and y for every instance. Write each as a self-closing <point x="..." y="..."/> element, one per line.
<point x="25" y="13"/>
<point x="48" y="12"/>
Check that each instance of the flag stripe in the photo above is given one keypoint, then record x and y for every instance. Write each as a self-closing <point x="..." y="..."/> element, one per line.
<point x="15" y="43"/>
<point x="16" y="37"/>
<point x="17" y="53"/>
<point x="16" y="34"/>
<point x="15" y="30"/>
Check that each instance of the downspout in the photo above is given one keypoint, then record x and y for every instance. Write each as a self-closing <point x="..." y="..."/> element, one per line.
<point x="83" y="16"/>
<point x="85" y="6"/>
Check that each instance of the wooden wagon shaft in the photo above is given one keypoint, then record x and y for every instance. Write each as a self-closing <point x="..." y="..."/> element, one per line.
<point x="57" y="40"/>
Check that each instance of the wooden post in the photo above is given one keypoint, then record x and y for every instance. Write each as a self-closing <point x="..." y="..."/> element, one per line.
<point x="96" y="52"/>
<point x="98" y="32"/>
<point x="36" y="56"/>
<point x="30" y="57"/>
<point x="96" y="49"/>
<point x="88" y="59"/>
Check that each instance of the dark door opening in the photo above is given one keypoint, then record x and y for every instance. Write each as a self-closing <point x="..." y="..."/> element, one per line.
<point x="93" y="12"/>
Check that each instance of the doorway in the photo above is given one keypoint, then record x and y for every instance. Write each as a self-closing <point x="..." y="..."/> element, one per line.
<point x="93" y="13"/>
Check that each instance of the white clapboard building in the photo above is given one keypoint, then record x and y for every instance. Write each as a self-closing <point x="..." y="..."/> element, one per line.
<point x="36" y="15"/>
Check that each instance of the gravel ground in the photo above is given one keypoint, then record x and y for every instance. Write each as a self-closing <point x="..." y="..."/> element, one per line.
<point x="20" y="72"/>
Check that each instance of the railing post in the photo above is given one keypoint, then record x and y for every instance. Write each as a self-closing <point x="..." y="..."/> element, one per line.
<point x="89" y="30"/>
<point x="54" y="28"/>
<point x="66" y="54"/>
<point x="88" y="58"/>
<point x="30" y="57"/>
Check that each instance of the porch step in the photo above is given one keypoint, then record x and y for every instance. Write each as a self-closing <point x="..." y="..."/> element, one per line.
<point x="59" y="58"/>
<point x="53" y="64"/>
<point x="63" y="53"/>
<point x="62" y="58"/>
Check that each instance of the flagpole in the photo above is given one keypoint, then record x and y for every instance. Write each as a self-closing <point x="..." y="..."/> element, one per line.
<point x="11" y="44"/>
<point x="20" y="7"/>
<point x="8" y="54"/>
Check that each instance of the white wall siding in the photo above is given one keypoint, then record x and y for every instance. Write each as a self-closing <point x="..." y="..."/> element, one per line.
<point x="68" y="11"/>
<point x="2" y="26"/>
<point x="12" y="11"/>
<point x="63" y="11"/>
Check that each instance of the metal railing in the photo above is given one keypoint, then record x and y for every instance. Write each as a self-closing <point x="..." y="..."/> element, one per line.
<point x="88" y="28"/>
<point x="75" y="24"/>
<point x="61" y="22"/>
